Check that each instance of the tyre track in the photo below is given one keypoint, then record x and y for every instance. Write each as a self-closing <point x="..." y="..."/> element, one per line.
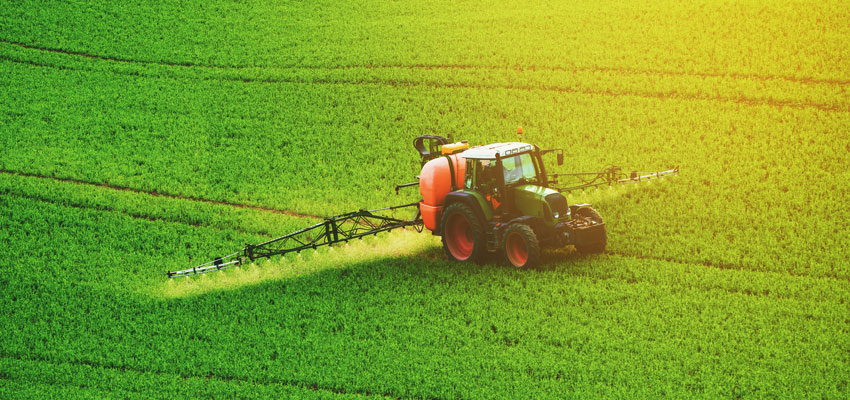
<point x="211" y="376"/>
<point x="162" y="194"/>
<point x="724" y="266"/>
<point x="80" y="206"/>
<point x="380" y="82"/>
<point x="428" y="67"/>
<point x="105" y="58"/>
<point x="79" y="388"/>
<point x="605" y="276"/>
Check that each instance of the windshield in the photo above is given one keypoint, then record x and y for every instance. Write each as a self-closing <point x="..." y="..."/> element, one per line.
<point x="519" y="168"/>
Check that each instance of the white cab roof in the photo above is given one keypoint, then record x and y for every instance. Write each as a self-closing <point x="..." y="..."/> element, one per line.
<point x="488" y="151"/>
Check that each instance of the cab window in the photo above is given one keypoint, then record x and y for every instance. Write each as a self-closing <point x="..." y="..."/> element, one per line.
<point x="486" y="173"/>
<point x="519" y="169"/>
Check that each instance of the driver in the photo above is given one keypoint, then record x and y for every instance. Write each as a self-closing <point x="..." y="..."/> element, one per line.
<point x="487" y="173"/>
<point x="487" y="178"/>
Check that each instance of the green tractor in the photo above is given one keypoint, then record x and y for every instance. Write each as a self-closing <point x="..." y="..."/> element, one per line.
<point x="498" y="199"/>
<point x="484" y="200"/>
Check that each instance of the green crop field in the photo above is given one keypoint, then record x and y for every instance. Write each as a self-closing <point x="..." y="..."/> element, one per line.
<point x="141" y="138"/>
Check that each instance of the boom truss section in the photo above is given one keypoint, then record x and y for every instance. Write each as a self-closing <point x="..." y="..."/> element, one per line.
<point x="336" y="229"/>
<point x="608" y="176"/>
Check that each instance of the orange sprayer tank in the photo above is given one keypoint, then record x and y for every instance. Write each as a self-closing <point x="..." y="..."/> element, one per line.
<point x="435" y="183"/>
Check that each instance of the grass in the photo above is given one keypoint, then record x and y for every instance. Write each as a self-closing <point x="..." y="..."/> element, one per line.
<point x="136" y="140"/>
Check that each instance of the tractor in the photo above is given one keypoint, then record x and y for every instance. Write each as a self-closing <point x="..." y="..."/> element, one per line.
<point x="498" y="199"/>
<point x="494" y="199"/>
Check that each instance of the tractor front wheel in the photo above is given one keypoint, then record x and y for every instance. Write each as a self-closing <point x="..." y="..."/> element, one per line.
<point x="521" y="247"/>
<point x="463" y="237"/>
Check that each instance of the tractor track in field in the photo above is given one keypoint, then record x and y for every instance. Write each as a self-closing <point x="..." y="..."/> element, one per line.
<point x="77" y="386"/>
<point x="723" y="266"/>
<point x="210" y="376"/>
<point x="428" y="67"/>
<point x="382" y="82"/>
<point x="162" y="194"/>
<point x="80" y="206"/>
<point x="105" y="58"/>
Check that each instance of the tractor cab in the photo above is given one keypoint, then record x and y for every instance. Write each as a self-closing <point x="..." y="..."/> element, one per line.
<point x="507" y="175"/>
<point x="504" y="163"/>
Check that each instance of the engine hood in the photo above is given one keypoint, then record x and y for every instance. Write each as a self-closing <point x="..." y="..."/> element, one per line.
<point x="533" y="191"/>
<point x="539" y="201"/>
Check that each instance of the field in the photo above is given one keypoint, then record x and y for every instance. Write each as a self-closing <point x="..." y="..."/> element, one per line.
<point x="137" y="139"/>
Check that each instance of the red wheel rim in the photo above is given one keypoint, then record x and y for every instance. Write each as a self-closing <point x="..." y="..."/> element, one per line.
<point x="516" y="250"/>
<point x="458" y="237"/>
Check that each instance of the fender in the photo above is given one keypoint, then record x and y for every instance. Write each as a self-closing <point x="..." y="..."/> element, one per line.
<point x="544" y="233"/>
<point x="576" y="207"/>
<point x="536" y="223"/>
<point x="474" y="201"/>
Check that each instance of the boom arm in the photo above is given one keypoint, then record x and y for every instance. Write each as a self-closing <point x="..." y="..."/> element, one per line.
<point x="340" y="228"/>
<point x="608" y="176"/>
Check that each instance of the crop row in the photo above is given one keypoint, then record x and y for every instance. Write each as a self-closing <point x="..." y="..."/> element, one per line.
<point x="799" y="40"/>
<point x="413" y="325"/>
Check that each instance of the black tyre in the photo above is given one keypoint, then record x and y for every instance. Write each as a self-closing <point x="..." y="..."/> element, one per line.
<point x="463" y="237"/>
<point x="521" y="247"/>
<point x="598" y="246"/>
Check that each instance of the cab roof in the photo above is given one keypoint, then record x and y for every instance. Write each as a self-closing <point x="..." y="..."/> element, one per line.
<point x="488" y="151"/>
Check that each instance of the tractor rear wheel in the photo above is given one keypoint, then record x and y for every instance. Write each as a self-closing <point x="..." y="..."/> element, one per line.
<point x="598" y="247"/>
<point x="463" y="237"/>
<point x="522" y="249"/>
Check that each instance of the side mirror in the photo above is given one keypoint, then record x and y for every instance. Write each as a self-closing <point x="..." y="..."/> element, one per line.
<point x="560" y="157"/>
